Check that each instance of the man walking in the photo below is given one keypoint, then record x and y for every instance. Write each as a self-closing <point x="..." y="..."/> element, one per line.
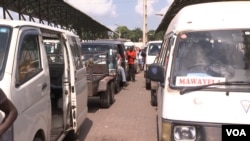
<point x="131" y="56"/>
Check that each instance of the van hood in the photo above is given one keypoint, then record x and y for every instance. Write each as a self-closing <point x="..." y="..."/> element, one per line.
<point x="208" y="106"/>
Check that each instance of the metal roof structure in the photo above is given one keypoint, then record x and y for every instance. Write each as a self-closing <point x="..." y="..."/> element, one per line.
<point x="56" y="13"/>
<point x="176" y="6"/>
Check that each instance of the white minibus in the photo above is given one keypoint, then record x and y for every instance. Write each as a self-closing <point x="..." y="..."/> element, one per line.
<point x="47" y="84"/>
<point x="203" y="71"/>
<point x="153" y="48"/>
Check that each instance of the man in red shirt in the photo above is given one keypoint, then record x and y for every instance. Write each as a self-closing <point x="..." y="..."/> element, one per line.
<point x="131" y="56"/>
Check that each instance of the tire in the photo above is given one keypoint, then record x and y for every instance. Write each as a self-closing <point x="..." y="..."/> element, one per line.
<point x="118" y="85"/>
<point x="105" y="98"/>
<point x="112" y="92"/>
<point x="71" y="135"/>
<point x="148" y="85"/>
<point x="39" y="136"/>
<point x="153" y="98"/>
<point x="117" y="88"/>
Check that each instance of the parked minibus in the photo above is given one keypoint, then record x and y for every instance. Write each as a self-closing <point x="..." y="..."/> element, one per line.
<point x="153" y="48"/>
<point x="46" y="82"/>
<point x="203" y="71"/>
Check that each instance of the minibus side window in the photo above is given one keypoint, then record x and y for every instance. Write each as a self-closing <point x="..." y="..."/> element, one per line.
<point x="29" y="60"/>
<point x="162" y="52"/>
<point x="166" y="55"/>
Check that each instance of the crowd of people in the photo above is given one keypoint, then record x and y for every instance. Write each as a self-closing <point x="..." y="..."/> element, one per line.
<point x="131" y="55"/>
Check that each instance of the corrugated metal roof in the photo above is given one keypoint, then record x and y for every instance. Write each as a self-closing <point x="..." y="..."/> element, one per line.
<point x="55" y="13"/>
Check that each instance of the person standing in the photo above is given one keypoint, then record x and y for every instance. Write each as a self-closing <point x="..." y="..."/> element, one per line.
<point x="122" y="71"/>
<point x="131" y="56"/>
<point x="140" y="60"/>
<point x="10" y="111"/>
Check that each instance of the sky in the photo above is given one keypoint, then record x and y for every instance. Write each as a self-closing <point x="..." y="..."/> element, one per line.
<point x="129" y="13"/>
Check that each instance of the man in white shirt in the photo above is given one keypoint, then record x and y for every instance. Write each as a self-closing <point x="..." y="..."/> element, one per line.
<point x="140" y="60"/>
<point x="122" y="71"/>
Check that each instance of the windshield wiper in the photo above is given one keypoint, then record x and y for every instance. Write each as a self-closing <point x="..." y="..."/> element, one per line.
<point x="189" y="89"/>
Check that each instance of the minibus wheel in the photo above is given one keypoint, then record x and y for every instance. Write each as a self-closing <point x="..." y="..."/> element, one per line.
<point x="112" y="92"/>
<point x="39" y="136"/>
<point x="105" y="98"/>
<point x="118" y="84"/>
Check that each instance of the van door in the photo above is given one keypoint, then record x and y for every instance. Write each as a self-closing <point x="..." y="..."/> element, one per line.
<point x="31" y="91"/>
<point x="78" y="81"/>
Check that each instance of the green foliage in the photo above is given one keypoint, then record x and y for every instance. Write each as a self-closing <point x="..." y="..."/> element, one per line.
<point x="136" y="34"/>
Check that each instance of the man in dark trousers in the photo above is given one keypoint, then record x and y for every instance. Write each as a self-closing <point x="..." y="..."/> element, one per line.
<point x="131" y="56"/>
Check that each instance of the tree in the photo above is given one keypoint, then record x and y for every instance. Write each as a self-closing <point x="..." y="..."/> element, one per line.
<point x="123" y="31"/>
<point x="152" y="36"/>
<point x="136" y="34"/>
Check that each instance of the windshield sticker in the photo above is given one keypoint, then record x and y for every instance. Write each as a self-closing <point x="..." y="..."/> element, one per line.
<point x="196" y="80"/>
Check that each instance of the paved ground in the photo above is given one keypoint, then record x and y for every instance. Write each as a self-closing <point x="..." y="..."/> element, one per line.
<point x="130" y="118"/>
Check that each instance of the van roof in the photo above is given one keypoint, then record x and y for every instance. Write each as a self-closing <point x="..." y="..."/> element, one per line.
<point x="18" y="23"/>
<point x="212" y="16"/>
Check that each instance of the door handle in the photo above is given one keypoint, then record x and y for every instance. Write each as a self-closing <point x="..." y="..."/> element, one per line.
<point x="44" y="86"/>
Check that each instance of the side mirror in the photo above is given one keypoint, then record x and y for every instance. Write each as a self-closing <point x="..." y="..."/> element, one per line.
<point x="156" y="73"/>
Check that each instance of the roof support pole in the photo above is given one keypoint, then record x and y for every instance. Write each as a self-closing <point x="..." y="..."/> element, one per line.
<point x="144" y="39"/>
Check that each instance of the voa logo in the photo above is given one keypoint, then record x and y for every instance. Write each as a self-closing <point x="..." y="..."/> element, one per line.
<point x="236" y="132"/>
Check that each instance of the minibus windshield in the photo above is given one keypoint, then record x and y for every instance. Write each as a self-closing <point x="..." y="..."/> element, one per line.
<point x="5" y="33"/>
<point x="154" y="48"/>
<point x="207" y="57"/>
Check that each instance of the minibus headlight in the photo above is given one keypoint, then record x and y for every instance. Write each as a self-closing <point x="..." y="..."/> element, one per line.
<point x="166" y="131"/>
<point x="184" y="133"/>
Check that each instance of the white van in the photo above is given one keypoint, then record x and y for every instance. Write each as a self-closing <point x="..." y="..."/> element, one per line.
<point x="153" y="48"/>
<point x="203" y="72"/>
<point x="50" y="95"/>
